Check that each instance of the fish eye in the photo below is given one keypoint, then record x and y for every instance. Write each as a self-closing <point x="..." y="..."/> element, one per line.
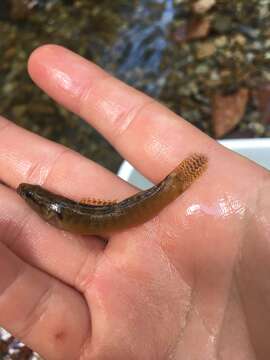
<point x="28" y="193"/>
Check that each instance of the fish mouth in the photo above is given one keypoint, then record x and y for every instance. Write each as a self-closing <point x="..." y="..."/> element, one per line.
<point x="21" y="189"/>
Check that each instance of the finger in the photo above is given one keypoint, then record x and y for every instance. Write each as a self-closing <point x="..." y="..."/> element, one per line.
<point x="37" y="309"/>
<point x="52" y="165"/>
<point x="62" y="171"/>
<point x="136" y="125"/>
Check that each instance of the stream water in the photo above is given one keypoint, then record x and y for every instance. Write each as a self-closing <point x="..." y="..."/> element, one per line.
<point x="136" y="55"/>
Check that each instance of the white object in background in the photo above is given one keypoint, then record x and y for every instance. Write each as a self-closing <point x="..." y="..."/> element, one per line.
<point x="257" y="150"/>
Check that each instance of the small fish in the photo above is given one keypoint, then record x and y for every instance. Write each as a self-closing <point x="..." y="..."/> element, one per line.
<point x="98" y="217"/>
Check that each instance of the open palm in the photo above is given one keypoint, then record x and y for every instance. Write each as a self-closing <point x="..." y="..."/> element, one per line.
<point x="192" y="283"/>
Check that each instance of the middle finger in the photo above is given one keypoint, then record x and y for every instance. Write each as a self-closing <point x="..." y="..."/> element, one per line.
<point x="146" y="133"/>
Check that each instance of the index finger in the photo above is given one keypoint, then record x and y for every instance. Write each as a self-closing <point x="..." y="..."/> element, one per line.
<point x="142" y="130"/>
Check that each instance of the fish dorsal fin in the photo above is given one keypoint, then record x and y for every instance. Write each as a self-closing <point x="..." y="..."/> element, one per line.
<point x="97" y="202"/>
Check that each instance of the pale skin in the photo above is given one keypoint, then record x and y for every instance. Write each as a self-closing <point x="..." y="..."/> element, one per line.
<point x="193" y="283"/>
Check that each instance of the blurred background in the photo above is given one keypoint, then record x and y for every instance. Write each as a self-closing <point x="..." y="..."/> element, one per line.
<point x="207" y="60"/>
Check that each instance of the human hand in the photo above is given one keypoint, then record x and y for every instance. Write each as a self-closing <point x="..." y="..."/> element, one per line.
<point x="192" y="283"/>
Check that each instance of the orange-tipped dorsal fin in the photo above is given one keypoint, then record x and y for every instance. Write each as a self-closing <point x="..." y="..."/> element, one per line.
<point x="97" y="202"/>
